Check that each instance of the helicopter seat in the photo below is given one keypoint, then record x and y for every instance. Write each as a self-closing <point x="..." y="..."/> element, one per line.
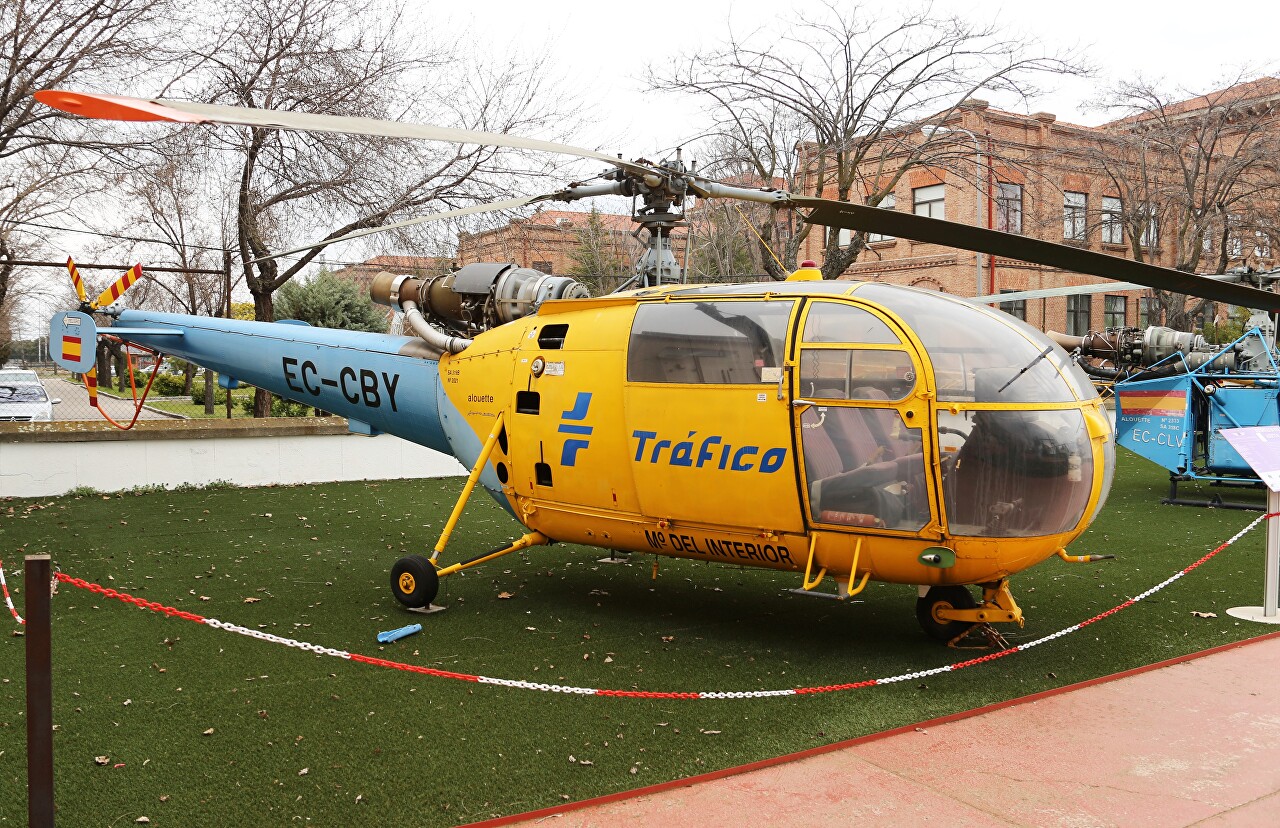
<point x="852" y="474"/>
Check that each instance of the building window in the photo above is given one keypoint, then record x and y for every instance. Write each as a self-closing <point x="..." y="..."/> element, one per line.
<point x="929" y="201"/>
<point x="1112" y="220"/>
<point x="889" y="202"/>
<point x="1078" y="310"/>
<point x="1148" y="312"/>
<point x="1114" y="311"/>
<point x="1261" y="244"/>
<point x="1017" y="307"/>
<point x="1008" y="207"/>
<point x="545" y="267"/>
<point x="1151" y="230"/>
<point x="1074" y="213"/>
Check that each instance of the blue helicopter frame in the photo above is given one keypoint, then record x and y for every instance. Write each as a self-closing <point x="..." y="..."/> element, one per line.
<point x="1177" y="421"/>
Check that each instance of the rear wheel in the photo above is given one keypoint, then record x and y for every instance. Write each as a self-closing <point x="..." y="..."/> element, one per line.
<point x="414" y="581"/>
<point x="944" y="598"/>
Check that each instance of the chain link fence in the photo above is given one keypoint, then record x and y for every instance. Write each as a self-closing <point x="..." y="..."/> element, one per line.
<point x="175" y="394"/>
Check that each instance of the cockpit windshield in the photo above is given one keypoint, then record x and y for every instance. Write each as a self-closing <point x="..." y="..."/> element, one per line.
<point x="980" y="355"/>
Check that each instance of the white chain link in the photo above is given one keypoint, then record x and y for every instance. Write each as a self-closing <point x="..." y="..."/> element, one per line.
<point x="276" y="639"/>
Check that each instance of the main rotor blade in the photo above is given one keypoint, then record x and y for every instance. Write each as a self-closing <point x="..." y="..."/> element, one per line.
<point x="846" y="215"/>
<point x="509" y="204"/>
<point x="122" y="108"/>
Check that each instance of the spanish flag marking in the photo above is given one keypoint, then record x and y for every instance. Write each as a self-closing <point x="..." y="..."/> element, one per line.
<point x="91" y="385"/>
<point x="71" y="347"/>
<point x="1154" y="403"/>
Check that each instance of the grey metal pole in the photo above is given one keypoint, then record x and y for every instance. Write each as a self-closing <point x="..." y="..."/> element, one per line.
<point x="1271" y="579"/>
<point x="39" y="693"/>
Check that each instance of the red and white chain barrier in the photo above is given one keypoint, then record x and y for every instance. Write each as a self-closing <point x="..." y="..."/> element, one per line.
<point x="8" y="602"/>
<point x="633" y="694"/>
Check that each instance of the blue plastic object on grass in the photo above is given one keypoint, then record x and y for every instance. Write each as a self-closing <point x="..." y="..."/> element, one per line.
<point x="395" y="635"/>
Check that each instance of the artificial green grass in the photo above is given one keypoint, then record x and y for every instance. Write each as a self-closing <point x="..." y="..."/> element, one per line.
<point x="298" y="738"/>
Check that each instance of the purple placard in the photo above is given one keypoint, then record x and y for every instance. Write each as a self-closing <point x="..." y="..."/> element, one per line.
<point x="1260" y="448"/>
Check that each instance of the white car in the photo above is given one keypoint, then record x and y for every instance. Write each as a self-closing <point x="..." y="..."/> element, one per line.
<point x="24" y="402"/>
<point x="8" y="375"/>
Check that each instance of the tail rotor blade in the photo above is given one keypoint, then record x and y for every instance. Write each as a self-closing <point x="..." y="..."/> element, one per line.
<point x="91" y="385"/>
<point x="76" y="280"/>
<point x="117" y="289"/>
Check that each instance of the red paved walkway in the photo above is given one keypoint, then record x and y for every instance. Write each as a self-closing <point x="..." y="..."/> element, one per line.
<point x="1191" y="743"/>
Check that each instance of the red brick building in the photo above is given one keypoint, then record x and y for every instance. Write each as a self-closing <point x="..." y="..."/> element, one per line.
<point x="363" y="273"/>
<point x="546" y="240"/>
<point x="1035" y="175"/>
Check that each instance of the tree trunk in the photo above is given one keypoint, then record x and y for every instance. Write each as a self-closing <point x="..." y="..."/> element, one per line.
<point x="209" y="380"/>
<point x="122" y="366"/>
<point x="188" y="378"/>
<point x="104" y="364"/>
<point x="264" y="311"/>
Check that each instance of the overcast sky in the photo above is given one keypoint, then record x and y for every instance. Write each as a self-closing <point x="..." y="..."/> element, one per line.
<point x="604" y="48"/>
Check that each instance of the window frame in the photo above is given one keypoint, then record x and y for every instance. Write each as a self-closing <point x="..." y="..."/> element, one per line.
<point x="1109" y="314"/>
<point x="1112" y="220"/>
<point x="1017" y="308"/>
<point x="1075" y="217"/>
<point x="928" y="203"/>
<point x="888" y="202"/>
<point x="1079" y="307"/>
<point x="1008" y="205"/>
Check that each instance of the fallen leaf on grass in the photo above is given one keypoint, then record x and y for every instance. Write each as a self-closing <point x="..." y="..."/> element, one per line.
<point x="304" y="771"/>
<point x="209" y="732"/>
<point x="252" y="600"/>
<point x="505" y="595"/>
<point x="101" y="760"/>
<point x="1204" y="614"/>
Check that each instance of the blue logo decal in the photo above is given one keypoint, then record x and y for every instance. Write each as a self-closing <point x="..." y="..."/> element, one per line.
<point x="569" y="454"/>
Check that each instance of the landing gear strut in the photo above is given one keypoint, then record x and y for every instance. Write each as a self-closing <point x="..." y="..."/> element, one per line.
<point x="947" y="612"/>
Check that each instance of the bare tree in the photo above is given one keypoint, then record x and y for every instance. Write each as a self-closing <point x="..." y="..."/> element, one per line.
<point x="835" y="105"/>
<point x="176" y="200"/>
<point x="601" y="259"/>
<point x="722" y="243"/>
<point x="1195" y="173"/>
<point x="51" y="44"/>
<point x="331" y="57"/>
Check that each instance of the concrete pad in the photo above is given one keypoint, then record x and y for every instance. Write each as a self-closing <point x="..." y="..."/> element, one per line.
<point x="1195" y="742"/>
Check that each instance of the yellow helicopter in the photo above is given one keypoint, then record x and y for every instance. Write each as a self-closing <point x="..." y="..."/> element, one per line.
<point x="834" y="429"/>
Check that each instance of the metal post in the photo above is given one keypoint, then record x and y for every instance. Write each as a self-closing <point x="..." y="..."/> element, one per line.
<point x="1267" y="613"/>
<point x="1271" y="580"/>
<point x="226" y="280"/>
<point x="39" y="693"/>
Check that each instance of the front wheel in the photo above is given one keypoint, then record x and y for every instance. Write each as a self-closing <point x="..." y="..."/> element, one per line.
<point x="414" y="581"/>
<point x="944" y="598"/>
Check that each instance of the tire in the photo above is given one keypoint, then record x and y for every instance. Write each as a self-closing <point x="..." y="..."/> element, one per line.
<point x="944" y="597"/>
<point x="414" y="581"/>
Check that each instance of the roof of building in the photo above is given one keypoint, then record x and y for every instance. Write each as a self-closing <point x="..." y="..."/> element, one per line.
<point x="1261" y="89"/>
